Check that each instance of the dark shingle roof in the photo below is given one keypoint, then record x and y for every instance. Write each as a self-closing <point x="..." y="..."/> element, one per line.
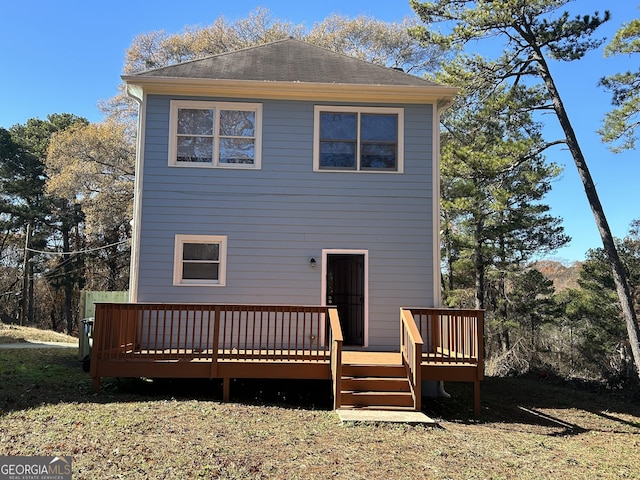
<point x="287" y="61"/>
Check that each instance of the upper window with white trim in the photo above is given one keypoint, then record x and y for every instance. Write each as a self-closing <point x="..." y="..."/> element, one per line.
<point x="215" y="134"/>
<point x="200" y="260"/>
<point x="358" y="139"/>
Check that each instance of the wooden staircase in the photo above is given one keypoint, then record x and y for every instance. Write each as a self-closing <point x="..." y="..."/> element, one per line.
<point x="375" y="386"/>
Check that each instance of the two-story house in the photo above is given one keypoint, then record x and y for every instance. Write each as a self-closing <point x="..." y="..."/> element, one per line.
<point x="292" y="175"/>
<point x="287" y="173"/>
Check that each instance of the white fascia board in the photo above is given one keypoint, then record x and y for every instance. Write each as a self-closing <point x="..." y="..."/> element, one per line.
<point x="427" y="94"/>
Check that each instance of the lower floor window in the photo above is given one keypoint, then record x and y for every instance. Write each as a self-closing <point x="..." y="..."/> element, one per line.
<point x="200" y="260"/>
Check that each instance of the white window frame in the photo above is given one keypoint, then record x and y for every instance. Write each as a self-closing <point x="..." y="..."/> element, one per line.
<point x="318" y="109"/>
<point x="180" y="240"/>
<point x="216" y="106"/>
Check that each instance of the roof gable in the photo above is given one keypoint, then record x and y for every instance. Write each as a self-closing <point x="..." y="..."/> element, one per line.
<point x="287" y="60"/>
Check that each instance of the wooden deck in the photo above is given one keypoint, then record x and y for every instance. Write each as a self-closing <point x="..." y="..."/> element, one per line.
<point x="360" y="357"/>
<point x="287" y="342"/>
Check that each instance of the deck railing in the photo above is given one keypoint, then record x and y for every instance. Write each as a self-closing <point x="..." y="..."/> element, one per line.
<point x="450" y="335"/>
<point x="212" y="332"/>
<point x="411" y="349"/>
<point x="267" y="341"/>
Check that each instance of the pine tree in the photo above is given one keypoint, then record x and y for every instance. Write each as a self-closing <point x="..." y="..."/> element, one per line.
<point x="534" y="33"/>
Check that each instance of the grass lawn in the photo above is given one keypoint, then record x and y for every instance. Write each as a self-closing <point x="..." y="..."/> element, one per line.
<point x="530" y="428"/>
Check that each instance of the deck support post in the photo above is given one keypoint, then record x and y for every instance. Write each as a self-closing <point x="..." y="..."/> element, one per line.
<point x="476" y="398"/>
<point x="226" y="387"/>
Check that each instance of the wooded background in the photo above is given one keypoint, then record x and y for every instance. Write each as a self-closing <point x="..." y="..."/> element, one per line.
<point x="66" y="185"/>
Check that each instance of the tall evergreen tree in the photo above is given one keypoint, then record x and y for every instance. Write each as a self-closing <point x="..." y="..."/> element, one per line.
<point x="24" y="207"/>
<point x="621" y="123"/>
<point x="534" y="33"/>
<point x="594" y="311"/>
<point x="44" y="217"/>
<point x="494" y="176"/>
<point x="494" y="179"/>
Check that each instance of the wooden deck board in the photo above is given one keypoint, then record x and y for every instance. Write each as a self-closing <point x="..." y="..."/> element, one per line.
<point x="357" y="357"/>
<point x="188" y="351"/>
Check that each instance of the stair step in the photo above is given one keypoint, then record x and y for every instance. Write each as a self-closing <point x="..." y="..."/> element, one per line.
<point x="386" y="371"/>
<point x="376" y="384"/>
<point x="387" y="408"/>
<point x="376" y="399"/>
<point x="376" y="387"/>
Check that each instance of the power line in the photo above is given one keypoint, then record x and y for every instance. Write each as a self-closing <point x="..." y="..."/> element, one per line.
<point x="53" y="272"/>
<point x="77" y="252"/>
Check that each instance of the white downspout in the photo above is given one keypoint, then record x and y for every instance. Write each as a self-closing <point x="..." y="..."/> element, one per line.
<point x="437" y="290"/>
<point x="138" y="95"/>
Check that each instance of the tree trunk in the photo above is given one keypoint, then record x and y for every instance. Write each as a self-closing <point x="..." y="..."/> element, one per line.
<point x="503" y="304"/>
<point x="113" y="268"/>
<point x="503" y="313"/>
<point x="619" y="276"/>
<point x="24" y="304"/>
<point x="30" y="295"/>
<point x="67" y="282"/>
<point x="479" y="268"/>
<point x="448" y="250"/>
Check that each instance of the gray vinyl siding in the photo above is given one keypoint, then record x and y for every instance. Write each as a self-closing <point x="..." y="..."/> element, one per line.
<point x="277" y="217"/>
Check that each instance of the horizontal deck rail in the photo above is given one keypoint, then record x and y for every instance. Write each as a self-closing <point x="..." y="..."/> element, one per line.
<point x="209" y="336"/>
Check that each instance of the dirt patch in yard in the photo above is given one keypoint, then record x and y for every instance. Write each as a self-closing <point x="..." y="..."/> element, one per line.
<point x="20" y="334"/>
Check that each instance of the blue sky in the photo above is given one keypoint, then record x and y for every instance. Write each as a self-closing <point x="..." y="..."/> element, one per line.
<point x="66" y="55"/>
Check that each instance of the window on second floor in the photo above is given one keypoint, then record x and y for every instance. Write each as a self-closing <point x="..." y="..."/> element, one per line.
<point x="214" y="134"/>
<point x="358" y="139"/>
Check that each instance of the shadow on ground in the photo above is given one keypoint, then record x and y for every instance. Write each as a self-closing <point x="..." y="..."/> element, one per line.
<point x="545" y="406"/>
<point x="311" y="394"/>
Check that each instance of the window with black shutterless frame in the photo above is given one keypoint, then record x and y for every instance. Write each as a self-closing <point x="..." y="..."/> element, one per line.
<point x="359" y="139"/>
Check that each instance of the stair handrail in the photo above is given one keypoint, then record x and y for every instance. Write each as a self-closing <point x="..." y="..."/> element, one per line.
<point x="411" y="349"/>
<point x="336" y="354"/>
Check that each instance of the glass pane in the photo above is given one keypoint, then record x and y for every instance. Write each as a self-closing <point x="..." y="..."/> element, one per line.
<point x="199" y="271"/>
<point x="237" y="123"/>
<point x="200" y="251"/>
<point x="195" y="122"/>
<point x="378" y="155"/>
<point x="338" y="154"/>
<point x="382" y="128"/>
<point x="338" y="126"/>
<point x="236" y="150"/>
<point x="195" y="149"/>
